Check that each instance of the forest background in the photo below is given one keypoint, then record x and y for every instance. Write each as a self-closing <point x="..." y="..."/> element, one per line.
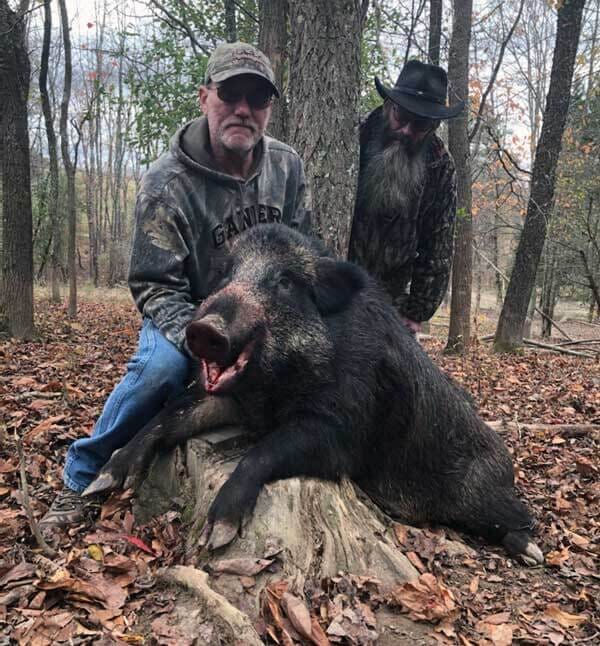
<point x="102" y="104"/>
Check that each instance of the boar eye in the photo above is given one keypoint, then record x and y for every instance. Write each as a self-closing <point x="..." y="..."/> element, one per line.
<point x="285" y="283"/>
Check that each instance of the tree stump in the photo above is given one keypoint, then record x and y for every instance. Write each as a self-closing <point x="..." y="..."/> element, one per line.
<point x="311" y="529"/>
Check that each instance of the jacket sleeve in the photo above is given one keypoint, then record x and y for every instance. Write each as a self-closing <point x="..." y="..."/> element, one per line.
<point x="157" y="275"/>
<point x="431" y="270"/>
<point x="301" y="216"/>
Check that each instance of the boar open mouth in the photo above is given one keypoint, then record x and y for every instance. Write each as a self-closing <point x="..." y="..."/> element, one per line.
<point x="217" y="378"/>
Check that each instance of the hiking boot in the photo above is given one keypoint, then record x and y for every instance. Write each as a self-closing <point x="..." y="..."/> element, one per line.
<point x="69" y="508"/>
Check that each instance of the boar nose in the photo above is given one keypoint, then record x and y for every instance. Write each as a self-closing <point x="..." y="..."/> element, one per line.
<point x="206" y="341"/>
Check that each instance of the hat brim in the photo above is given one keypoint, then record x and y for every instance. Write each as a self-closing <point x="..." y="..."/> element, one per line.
<point x="238" y="71"/>
<point x="418" y="105"/>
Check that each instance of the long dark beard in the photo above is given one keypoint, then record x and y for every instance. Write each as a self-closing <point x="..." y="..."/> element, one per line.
<point x="392" y="178"/>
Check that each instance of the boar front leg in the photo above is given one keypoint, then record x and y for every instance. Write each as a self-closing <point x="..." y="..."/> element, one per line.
<point x="315" y="447"/>
<point x="181" y="420"/>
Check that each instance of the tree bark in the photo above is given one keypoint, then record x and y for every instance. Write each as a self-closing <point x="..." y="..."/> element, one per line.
<point x="509" y="334"/>
<point x="549" y="292"/>
<point x="16" y="294"/>
<point x="90" y="201"/>
<point x="496" y="249"/>
<point x="435" y="30"/>
<point x="273" y="37"/>
<point x="117" y="262"/>
<point x="324" y="92"/>
<point x="67" y="163"/>
<point x="459" y="332"/>
<point x="230" y="21"/>
<point x="52" y="154"/>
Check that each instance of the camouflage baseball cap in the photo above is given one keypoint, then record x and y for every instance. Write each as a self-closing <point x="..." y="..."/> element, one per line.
<point x="233" y="59"/>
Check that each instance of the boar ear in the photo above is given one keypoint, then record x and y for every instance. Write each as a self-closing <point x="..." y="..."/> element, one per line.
<point x="337" y="282"/>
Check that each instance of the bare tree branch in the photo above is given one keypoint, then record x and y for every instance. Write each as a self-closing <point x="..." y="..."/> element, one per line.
<point x="495" y="73"/>
<point x="175" y="21"/>
<point x="414" y="18"/>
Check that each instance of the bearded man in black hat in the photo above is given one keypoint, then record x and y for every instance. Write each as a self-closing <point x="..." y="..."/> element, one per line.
<point x="403" y="225"/>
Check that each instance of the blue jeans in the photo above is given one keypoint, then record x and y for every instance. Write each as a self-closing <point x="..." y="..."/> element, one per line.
<point x="157" y="371"/>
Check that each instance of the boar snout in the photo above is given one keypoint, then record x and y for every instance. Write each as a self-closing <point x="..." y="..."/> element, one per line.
<point x="207" y="341"/>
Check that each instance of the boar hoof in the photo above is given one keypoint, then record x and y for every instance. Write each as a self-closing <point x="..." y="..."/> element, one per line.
<point x="218" y="534"/>
<point x="104" y="482"/>
<point x="520" y="545"/>
<point x="532" y="555"/>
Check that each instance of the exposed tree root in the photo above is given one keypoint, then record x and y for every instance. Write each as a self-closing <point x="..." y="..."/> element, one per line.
<point x="216" y="604"/>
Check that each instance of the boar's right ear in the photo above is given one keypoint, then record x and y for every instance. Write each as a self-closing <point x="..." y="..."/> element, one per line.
<point x="337" y="282"/>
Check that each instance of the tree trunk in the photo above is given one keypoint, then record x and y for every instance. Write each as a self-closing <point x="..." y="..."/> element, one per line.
<point x="311" y="529"/>
<point x="117" y="270"/>
<point x="459" y="332"/>
<point x="593" y="307"/>
<point x="435" y="30"/>
<point x="16" y="295"/>
<point x="496" y="250"/>
<point x="509" y="334"/>
<point x="324" y="91"/>
<point x="478" y="269"/>
<point x="90" y="202"/>
<point x="273" y="36"/>
<point x="52" y="153"/>
<point x="67" y="163"/>
<point x="549" y="292"/>
<point x="589" y="274"/>
<point x="230" y="21"/>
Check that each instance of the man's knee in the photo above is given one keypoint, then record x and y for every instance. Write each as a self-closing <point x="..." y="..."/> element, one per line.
<point x="158" y="363"/>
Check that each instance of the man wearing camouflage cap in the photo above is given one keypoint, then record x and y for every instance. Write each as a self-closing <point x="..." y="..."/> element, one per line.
<point x="220" y="176"/>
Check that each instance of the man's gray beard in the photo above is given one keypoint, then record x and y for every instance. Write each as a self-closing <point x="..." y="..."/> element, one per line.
<point x="392" y="178"/>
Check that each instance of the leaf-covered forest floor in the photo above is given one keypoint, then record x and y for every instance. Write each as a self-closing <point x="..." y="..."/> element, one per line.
<point x="100" y="586"/>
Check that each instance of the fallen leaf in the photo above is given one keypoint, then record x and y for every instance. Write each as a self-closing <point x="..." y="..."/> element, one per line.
<point x="42" y="427"/>
<point x="498" y="618"/>
<point x="474" y="585"/>
<point x="297" y="613"/>
<point x="501" y="635"/>
<point x="565" y="619"/>
<point x="7" y="466"/>
<point x="578" y="540"/>
<point x="413" y="557"/>
<point x="558" y="557"/>
<point x="137" y="542"/>
<point x="241" y="566"/>
<point x="24" y="382"/>
<point x="20" y="571"/>
<point x="39" y="404"/>
<point x="585" y="466"/>
<point x="426" y="598"/>
<point x="318" y="635"/>
<point x="401" y="533"/>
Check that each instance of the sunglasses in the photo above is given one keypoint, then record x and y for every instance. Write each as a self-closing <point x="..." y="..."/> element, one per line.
<point x="257" y="99"/>
<point x="419" y="124"/>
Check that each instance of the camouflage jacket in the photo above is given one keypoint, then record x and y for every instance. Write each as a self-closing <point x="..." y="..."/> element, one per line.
<point x="187" y="212"/>
<point x="409" y="252"/>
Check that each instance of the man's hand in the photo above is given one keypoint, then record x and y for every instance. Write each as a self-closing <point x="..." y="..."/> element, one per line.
<point x="413" y="326"/>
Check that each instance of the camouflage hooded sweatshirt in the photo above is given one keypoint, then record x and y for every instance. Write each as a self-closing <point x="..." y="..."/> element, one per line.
<point x="409" y="251"/>
<point x="187" y="212"/>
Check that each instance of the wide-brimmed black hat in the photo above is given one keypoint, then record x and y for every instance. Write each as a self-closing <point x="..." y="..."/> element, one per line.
<point x="421" y="88"/>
